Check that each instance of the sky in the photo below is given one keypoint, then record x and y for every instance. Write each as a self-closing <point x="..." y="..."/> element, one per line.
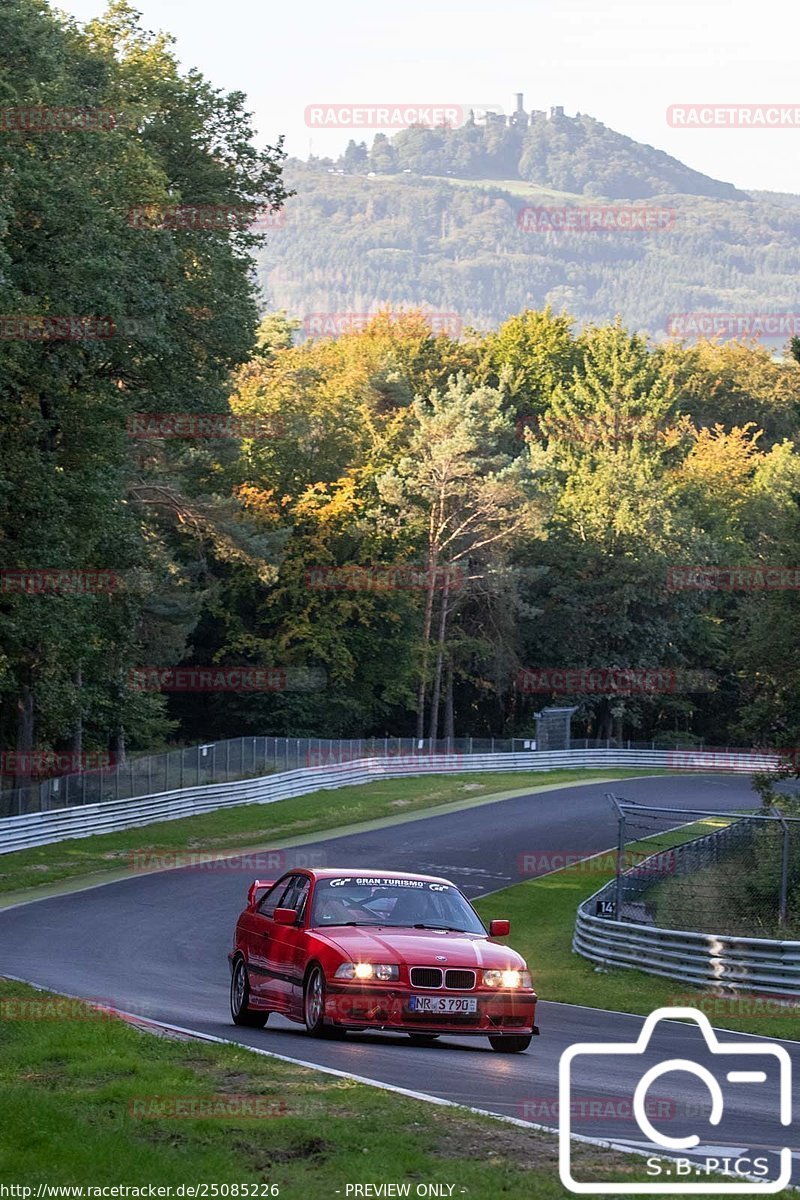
<point x="621" y="61"/>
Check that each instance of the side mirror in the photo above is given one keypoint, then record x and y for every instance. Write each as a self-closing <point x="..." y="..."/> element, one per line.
<point x="257" y="886"/>
<point x="285" y="916"/>
<point x="499" y="928"/>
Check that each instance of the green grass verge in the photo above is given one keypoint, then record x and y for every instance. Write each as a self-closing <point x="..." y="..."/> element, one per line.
<point x="542" y="913"/>
<point x="77" y="1098"/>
<point x="263" y="825"/>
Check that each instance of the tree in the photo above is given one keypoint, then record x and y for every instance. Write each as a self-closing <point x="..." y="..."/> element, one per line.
<point x="355" y="156"/>
<point x="73" y="495"/>
<point x="732" y="383"/>
<point x="607" y="451"/>
<point x="465" y="497"/>
<point x="530" y="355"/>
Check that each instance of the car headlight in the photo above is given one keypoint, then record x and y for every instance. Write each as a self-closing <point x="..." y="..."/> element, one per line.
<point x="362" y="970"/>
<point x="507" y="979"/>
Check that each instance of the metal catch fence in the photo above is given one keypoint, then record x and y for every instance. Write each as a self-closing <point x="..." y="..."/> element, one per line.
<point x="225" y="762"/>
<point x="255" y="756"/>
<point x="740" y="875"/>
<point x="627" y="923"/>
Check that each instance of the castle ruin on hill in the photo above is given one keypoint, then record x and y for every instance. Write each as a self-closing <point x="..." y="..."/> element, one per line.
<point x="519" y="117"/>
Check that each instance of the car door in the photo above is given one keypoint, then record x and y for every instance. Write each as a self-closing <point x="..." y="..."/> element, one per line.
<point x="258" y="926"/>
<point x="289" y="943"/>
<point x="279" y="946"/>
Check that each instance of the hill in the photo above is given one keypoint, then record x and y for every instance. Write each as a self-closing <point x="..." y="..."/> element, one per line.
<point x="355" y="239"/>
<point x="573" y="154"/>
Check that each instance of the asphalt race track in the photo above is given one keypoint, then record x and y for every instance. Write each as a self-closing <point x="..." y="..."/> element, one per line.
<point x="156" y="945"/>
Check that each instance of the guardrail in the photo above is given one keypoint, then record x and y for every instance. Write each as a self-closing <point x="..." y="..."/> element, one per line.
<point x="209" y="763"/>
<point x="745" y="964"/>
<point x="253" y="756"/>
<point x="41" y="828"/>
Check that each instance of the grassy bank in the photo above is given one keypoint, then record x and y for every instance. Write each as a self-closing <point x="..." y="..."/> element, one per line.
<point x="264" y="825"/>
<point x="739" y="895"/>
<point x="542" y="913"/>
<point x="94" y="1101"/>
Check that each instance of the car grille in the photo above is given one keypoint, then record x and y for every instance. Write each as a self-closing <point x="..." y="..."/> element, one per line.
<point x="434" y="977"/>
<point x="463" y="980"/>
<point x="426" y="977"/>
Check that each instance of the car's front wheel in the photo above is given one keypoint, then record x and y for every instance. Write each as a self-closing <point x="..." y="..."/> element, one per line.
<point x="511" y="1044"/>
<point x="240" y="999"/>
<point x="314" y="1006"/>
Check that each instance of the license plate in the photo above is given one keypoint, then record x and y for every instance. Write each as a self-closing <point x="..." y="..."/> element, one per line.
<point x="442" y="1004"/>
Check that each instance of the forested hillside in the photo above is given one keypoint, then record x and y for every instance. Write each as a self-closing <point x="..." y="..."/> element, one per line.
<point x="572" y="154"/>
<point x="350" y="243"/>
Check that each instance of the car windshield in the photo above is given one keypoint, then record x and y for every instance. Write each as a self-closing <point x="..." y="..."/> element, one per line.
<point x="396" y="903"/>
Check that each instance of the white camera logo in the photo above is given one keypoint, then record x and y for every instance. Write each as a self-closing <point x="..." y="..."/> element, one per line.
<point x="734" y="1049"/>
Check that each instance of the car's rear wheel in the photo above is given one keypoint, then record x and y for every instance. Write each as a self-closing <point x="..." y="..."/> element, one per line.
<point x="514" y="1044"/>
<point x="314" y="1006"/>
<point x="241" y="1011"/>
<point x="423" y="1039"/>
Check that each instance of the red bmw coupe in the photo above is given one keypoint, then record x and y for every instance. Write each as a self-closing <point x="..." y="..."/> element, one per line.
<point x="352" y="949"/>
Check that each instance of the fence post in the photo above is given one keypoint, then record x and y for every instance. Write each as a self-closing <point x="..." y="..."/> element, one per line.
<point x="783" y="907"/>
<point x="620" y="866"/>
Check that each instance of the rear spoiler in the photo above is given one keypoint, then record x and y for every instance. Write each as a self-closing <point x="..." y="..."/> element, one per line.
<point x="258" y="885"/>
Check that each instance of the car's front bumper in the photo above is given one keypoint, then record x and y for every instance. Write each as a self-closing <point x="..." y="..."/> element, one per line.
<point x="355" y="1007"/>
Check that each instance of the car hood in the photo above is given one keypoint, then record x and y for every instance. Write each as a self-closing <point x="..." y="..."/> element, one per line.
<point x="419" y="947"/>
